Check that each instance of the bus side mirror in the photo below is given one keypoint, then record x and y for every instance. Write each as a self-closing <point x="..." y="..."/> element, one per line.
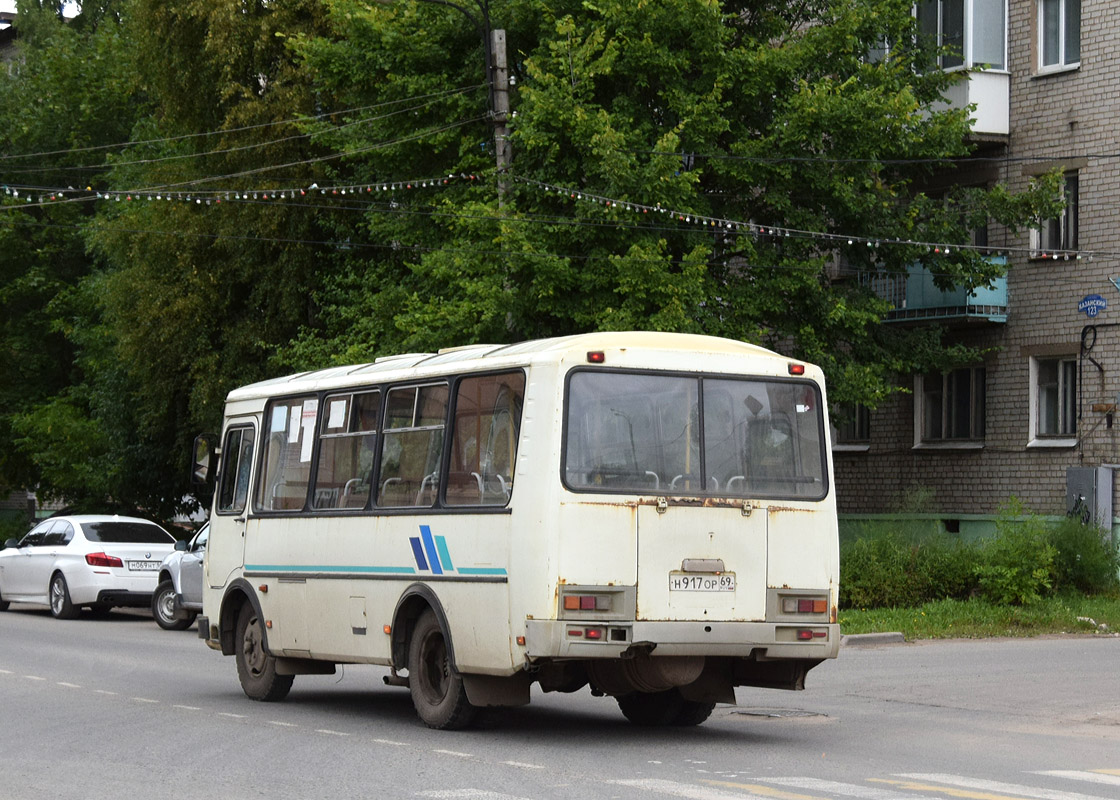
<point x="204" y="459"/>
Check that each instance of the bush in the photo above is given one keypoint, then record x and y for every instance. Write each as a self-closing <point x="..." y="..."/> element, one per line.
<point x="900" y="565"/>
<point x="888" y="568"/>
<point x="1087" y="561"/>
<point x="1017" y="566"/>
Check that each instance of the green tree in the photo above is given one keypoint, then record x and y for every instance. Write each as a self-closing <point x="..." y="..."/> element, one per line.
<point x="65" y="99"/>
<point x="761" y="113"/>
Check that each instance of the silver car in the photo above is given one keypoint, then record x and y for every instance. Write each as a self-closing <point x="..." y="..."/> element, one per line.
<point x="178" y="596"/>
<point x="84" y="560"/>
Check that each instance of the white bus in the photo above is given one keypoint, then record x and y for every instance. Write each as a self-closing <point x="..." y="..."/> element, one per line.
<point x="651" y="515"/>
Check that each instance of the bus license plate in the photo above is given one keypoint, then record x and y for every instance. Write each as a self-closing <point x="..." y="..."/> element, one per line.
<point x="143" y="566"/>
<point x="691" y="582"/>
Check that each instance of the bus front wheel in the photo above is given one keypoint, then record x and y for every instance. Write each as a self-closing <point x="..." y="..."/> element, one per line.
<point x="437" y="689"/>
<point x="256" y="667"/>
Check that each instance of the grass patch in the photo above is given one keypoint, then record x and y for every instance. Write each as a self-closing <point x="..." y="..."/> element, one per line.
<point x="979" y="618"/>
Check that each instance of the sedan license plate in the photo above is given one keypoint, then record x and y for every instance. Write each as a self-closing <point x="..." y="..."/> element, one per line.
<point x="143" y="566"/>
<point x="695" y="582"/>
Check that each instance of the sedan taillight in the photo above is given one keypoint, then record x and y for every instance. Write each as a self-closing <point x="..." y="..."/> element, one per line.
<point x="103" y="560"/>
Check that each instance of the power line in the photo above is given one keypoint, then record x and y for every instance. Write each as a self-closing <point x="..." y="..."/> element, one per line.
<point x="227" y="131"/>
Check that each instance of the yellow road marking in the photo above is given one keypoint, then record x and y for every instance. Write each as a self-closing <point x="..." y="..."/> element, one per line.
<point x="767" y="791"/>
<point x="927" y="787"/>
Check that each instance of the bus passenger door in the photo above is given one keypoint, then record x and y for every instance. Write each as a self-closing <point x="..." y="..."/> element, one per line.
<point x="225" y="550"/>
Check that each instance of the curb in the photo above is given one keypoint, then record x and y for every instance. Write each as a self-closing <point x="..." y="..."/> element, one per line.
<point x="869" y="639"/>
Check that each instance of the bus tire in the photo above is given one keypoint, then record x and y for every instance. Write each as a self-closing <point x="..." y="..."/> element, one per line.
<point x="653" y="709"/>
<point x="693" y="713"/>
<point x="256" y="667"/>
<point x="438" y="693"/>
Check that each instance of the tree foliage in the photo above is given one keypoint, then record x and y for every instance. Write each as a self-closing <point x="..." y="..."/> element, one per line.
<point x="787" y="129"/>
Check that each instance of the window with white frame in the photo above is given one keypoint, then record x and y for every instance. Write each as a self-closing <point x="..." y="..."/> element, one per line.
<point x="1059" y="33"/>
<point x="1055" y="395"/>
<point x="974" y="30"/>
<point x="1059" y="233"/>
<point x="952" y="405"/>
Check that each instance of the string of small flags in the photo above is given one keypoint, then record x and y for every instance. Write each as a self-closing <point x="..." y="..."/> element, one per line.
<point x="777" y="231"/>
<point x="43" y="196"/>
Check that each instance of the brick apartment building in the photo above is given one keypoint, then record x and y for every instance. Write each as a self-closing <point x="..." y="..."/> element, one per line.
<point x="1043" y="400"/>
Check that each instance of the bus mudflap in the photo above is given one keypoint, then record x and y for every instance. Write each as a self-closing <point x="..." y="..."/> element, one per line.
<point x="497" y="690"/>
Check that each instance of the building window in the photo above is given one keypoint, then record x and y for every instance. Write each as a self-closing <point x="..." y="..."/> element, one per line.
<point x="1059" y="233"/>
<point x="1059" y="33"/>
<point x="974" y="30"/>
<point x="952" y="405"/>
<point x="942" y="21"/>
<point x="1055" y="394"/>
<point x="853" y="424"/>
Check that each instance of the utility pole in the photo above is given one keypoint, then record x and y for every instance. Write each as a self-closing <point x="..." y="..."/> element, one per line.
<point x="500" y="111"/>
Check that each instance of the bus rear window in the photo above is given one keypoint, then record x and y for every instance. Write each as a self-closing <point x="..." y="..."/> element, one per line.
<point x="673" y="434"/>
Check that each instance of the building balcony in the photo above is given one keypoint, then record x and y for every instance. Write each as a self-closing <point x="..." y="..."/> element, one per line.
<point x="991" y="93"/>
<point x="974" y="35"/>
<point x="915" y="298"/>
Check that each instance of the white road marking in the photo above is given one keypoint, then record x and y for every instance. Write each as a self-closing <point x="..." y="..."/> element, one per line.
<point x="468" y="794"/>
<point x="523" y="765"/>
<point x="144" y="700"/>
<point x="282" y="724"/>
<point x="454" y="753"/>
<point x="391" y="742"/>
<point x="330" y="732"/>
<point x="997" y="786"/>
<point x="1090" y="776"/>
<point x="227" y="714"/>
<point x="105" y="691"/>
<point x="69" y="685"/>
<point x="34" y="678"/>
<point x="689" y="791"/>
<point x="187" y="708"/>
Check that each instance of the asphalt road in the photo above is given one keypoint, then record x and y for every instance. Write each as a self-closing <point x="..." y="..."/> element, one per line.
<point x="116" y="707"/>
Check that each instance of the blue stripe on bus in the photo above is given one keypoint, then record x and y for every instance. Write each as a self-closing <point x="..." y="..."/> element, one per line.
<point x="482" y="571"/>
<point x="444" y="555"/>
<point x="324" y="568"/>
<point x="418" y="553"/>
<point x="430" y="549"/>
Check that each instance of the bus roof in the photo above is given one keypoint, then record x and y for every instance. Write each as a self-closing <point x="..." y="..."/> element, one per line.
<point x="480" y="357"/>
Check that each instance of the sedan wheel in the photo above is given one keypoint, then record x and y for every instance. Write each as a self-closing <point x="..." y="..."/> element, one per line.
<point x="61" y="607"/>
<point x="163" y="608"/>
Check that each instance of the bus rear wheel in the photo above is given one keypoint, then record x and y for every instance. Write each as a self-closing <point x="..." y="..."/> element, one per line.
<point x="256" y="667"/>
<point x="437" y="689"/>
<point x="663" y="708"/>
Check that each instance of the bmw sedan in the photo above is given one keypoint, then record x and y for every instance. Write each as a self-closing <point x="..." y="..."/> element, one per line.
<point x="96" y="561"/>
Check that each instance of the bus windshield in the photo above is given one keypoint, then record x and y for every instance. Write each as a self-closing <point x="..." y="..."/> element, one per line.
<point x="630" y="432"/>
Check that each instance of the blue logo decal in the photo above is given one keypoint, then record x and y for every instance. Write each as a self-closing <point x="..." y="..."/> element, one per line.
<point x="1092" y="304"/>
<point x="431" y="552"/>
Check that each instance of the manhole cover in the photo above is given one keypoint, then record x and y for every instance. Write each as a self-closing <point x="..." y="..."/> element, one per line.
<point x="774" y="713"/>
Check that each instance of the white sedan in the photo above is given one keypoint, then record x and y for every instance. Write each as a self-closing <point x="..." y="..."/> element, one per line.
<point x="97" y="561"/>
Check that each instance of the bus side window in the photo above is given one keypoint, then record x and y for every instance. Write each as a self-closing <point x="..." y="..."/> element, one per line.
<point x="487" y="422"/>
<point x="287" y="462"/>
<point x="346" y="448"/>
<point x="412" y="445"/>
